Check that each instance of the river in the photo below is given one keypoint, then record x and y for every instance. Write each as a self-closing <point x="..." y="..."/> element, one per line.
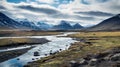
<point x="56" y="44"/>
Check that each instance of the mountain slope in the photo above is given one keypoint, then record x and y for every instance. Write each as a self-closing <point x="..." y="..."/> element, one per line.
<point x="77" y="26"/>
<point x="44" y="25"/>
<point x="112" y="23"/>
<point x="9" y="24"/>
<point x="29" y="24"/>
<point x="64" y="25"/>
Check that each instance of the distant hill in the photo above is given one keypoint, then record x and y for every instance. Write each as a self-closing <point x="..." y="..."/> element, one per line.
<point x="112" y="23"/>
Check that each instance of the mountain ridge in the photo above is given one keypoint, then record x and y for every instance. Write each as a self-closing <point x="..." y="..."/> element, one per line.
<point x="24" y="24"/>
<point x="112" y="23"/>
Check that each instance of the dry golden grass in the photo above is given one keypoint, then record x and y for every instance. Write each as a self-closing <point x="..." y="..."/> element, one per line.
<point x="7" y="41"/>
<point x="21" y="41"/>
<point x="27" y="33"/>
<point x="95" y="34"/>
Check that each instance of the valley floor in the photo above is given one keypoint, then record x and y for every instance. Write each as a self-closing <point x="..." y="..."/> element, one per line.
<point x="93" y="49"/>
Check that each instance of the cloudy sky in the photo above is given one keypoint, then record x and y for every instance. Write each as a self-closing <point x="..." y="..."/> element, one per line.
<point x="86" y="12"/>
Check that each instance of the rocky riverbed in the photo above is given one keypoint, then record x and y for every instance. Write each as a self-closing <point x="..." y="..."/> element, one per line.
<point x="12" y="54"/>
<point x="13" y="50"/>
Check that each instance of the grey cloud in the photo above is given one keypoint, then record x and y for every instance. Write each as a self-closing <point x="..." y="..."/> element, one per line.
<point x="1" y="7"/>
<point x="52" y="13"/>
<point x="37" y="9"/>
<point x="95" y="13"/>
<point x="67" y="16"/>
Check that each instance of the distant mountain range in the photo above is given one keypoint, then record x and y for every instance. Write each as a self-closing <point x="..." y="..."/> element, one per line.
<point x="44" y="25"/>
<point x="112" y="23"/>
<point x="29" y="24"/>
<point x="77" y="26"/>
<point x="7" y="23"/>
<point x="65" y="25"/>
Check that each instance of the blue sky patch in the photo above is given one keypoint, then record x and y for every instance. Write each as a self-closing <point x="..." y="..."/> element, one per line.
<point x="16" y="1"/>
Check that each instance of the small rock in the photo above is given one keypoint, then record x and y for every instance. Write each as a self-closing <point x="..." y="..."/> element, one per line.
<point x="60" y="49"/>
<point x="36" y="53"/>
<point x="33" y="59"/>
<point x="83" y="62"/>
<point x="72" y="61"/>
<point x="115" y="57"/>
<point x="101" y="55"/>
<point x="93" y="62"/>
<point x="18" y="58"/>
<point x="74" y="64"/>
<point x="45" y="54"/>
<point x="51" y="53"/>
<point x="88" y="57"/>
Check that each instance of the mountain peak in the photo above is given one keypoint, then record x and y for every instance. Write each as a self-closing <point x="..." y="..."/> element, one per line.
<point x="2" y="14"/>
<point x="64" y="22"/>
<point x="77" y="26"/>
<point x="118" y="15"/>
<point x="64" y="25"/>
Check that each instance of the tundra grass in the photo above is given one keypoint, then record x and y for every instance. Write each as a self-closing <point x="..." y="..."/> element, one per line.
<point x="27" y="33"/>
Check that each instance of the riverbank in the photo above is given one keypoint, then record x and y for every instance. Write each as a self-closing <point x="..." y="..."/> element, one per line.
<point x="12" y="54"/>
<point x="14" y="47"/>
<point x="17" y="42"/>
<point x="27" y="33"/>
<point x="99" y="49"/>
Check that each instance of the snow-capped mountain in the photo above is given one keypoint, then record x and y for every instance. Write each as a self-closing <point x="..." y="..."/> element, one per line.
<point x="8" y="23"/>
<point x="29" y="24"/>
<point x="77" y="26"/>
<point x="43" y="25"/>
<point x="24" y="24"/>
<point x="64" y="25"/>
